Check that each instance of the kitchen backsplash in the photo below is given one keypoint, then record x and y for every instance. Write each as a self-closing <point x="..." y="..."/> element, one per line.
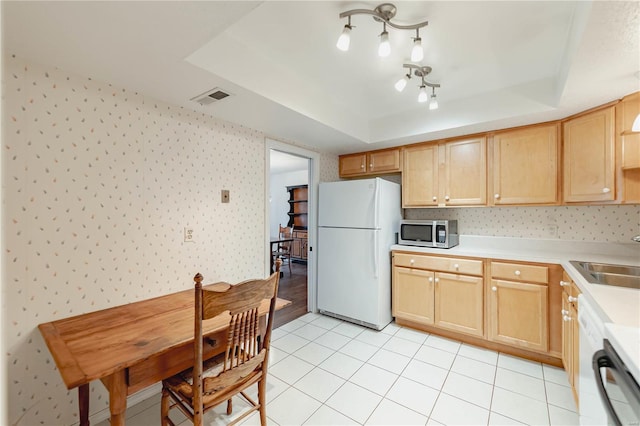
<point x="616" y="224"/>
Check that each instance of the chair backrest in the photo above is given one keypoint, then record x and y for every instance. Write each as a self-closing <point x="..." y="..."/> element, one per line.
<point x="246" y="349"/>
<point x="285" y="232"/>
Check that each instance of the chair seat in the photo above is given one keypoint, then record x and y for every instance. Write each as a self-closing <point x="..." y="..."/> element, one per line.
<point x="181" y="383"/>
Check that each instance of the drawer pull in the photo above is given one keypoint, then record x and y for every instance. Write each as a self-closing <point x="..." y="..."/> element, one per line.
<point x="566" y="318"/>
<point x="517" y="273"/>
<point x="572" y="299"/>
<point x="456" y="266"/>
<point x="435" y="198"/>
<point x="412" y="261"/>
<point x="564" y="312"/>
<point x="563" y="283"/>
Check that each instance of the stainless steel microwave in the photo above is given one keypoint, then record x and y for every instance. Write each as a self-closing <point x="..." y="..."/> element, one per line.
<point x="429" y="233"/>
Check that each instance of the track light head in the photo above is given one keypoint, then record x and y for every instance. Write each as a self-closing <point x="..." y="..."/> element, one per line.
<point x="384" y="49"/>
<point x="345" y="38"/>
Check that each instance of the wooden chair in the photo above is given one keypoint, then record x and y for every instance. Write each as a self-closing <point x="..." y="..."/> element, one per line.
<point x="284" y="249"/>
<point x="245" y="358"/>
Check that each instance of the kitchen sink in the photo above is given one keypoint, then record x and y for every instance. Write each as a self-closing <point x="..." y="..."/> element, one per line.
<point x="609" y="274"/>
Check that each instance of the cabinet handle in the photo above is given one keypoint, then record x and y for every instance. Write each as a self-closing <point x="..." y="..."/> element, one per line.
<point x="517" y="273"/>
<point x="566" y="318"/>
<point x="435" y="198"/>
<point x="412" y="261"/>
<point x="606" y="190"/>
<point x="446" y="198"/>
<point x="456" y="266"/>
<point x="362" y="166"/>
<point x="430" y="279"/>
<point x="572" y="299"/>
<point x="371" y="165"/>
<point x="564" y="312"/>
<point x="437" y="280"/>
<point x="494" y="288"/>
<point x="496" y="196"/>
<point x="563" y="283"/>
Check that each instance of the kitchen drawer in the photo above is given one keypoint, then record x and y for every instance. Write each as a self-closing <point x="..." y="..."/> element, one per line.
<point x="520" y="272"/>
<point x="446" y="264"/>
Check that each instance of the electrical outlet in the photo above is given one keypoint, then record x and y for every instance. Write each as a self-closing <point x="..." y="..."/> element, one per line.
<point x="188" y="235"/>
<point x="225" y="195"/>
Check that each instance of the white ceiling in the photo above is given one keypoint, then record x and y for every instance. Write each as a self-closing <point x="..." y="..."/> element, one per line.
<point x="500" y="64"/>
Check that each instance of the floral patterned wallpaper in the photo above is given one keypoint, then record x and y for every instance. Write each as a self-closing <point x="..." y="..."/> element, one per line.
<point x="615" y="224"/>
<point x="99" y="183"/>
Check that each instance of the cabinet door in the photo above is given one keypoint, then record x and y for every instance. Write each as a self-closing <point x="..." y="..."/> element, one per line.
<point x="420" y="176"/>
<point x="353" y="164"/>
<point x="413" y="295"/>
<point x="567" y="337"/>
<point x="384" y="161"/>
<point x="465" y="180"/>
<point x="575" y="352"/>
<point x="518" y="314"/>
<point x="588" y="157"/>
<point x="525" y="166"/>
<point x="458" y="303"/>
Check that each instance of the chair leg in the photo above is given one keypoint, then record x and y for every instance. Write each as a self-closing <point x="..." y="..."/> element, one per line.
<point x="289" y="262"/>
<point x="262" y="400"/>
<point x="229" y="407"/>
<point x="164" y="407"/>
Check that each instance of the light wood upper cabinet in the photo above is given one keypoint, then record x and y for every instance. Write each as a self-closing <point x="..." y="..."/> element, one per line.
<point x="589" y="161"/>
<point x="420" y="176"/>
<point x="465" y="172"/>
<point x="370" y="163"/>
<point x="446" y="174"/>
<point x="626" y="112"/>
<point x="525" y="166"/>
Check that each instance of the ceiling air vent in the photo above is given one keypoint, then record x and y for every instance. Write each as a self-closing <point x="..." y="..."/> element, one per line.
<point x="210" y="96"/>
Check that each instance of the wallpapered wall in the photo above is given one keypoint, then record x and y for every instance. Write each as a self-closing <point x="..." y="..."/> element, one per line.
<point x="99" y="183"/>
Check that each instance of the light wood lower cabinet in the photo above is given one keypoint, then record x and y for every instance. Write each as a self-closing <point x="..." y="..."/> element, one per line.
<point x="458" y="303"/>
<point x="518" y="314"/>
<point x="447" y="300"/>
<point x="570" y="333"/>
<point x="413" y="295"/>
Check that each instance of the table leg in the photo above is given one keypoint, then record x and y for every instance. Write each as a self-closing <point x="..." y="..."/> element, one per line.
<point x="117" y="397"/>
<point x="83" y="402"/>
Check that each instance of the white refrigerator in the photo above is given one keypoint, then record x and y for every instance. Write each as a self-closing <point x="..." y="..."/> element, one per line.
<point x="357" y="224"/>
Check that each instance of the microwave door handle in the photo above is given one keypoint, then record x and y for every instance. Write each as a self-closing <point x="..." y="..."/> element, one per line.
<point x="600" y="360"/>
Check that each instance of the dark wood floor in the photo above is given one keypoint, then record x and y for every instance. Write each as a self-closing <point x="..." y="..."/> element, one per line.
<point x="292" y="288"/>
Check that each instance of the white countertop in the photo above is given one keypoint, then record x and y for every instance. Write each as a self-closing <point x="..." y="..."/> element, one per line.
<point x="616" y="305"/>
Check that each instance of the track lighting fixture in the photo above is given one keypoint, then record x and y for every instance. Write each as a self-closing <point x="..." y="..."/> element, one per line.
<point x="423" y="94"/>
<point x="383" y="13"/>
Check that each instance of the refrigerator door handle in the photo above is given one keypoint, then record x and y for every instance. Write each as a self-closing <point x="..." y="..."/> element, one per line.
<point x="376" y="237"/>
<point x="376" y="202"/>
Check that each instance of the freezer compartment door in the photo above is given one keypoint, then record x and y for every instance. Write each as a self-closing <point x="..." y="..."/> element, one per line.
<point x="353" y="279"/>
<point x="348" y="204"/>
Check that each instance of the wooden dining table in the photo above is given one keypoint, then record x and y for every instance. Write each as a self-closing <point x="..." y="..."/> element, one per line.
<point x="133" y="346"/>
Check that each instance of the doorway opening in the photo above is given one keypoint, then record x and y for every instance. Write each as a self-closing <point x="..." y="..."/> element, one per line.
<point x="291" y="188"/>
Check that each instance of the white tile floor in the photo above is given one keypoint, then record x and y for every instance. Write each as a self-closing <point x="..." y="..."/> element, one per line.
<point x="328" y="372"/>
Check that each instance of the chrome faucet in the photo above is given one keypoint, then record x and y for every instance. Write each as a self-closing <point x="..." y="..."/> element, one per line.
<point x="636" y="238"/>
